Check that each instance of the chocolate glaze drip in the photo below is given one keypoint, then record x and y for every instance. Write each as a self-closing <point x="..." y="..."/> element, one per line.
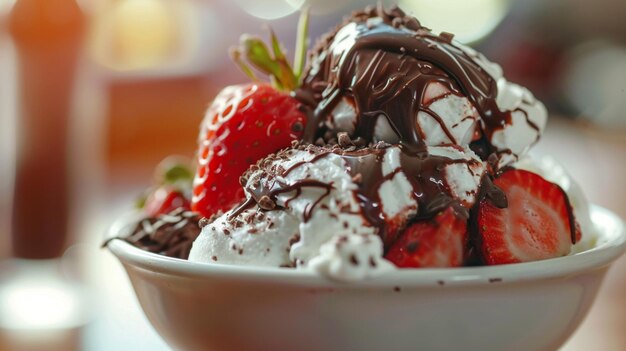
<point x="273" y="185"/>
<point x="425" y="173"/>
<point x="272" y="188"/>
<point x="169" y="235"/>
<point x="492" y="193"/>
<point x="384" y="66"/>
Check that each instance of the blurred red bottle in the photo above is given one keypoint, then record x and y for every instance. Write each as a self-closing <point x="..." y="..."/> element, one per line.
<point x="48" y="36"/>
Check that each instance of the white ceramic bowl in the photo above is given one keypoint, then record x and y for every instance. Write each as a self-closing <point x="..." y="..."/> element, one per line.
<point x="528" y="306"/>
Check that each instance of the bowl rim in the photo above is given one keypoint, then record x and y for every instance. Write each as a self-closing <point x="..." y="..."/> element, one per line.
<point x="610" y="244"/>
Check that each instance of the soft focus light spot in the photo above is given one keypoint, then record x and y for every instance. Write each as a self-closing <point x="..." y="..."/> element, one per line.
<point x="142" y="34"/>
<point x="324" y="7"/>
<point x="33" y="306"/>
<point x="144" y="31"/>
<point x="270" y="9"/>
<point x="595" y="82"/>
<point x="38" y="299"/>
<point x="469" y="21"/>
<point x="6" y="5"/>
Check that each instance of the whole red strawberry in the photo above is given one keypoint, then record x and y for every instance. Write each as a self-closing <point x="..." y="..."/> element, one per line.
<point x="172" y="188"/>
<point x="247" y="122"/>
<point x="244" y="124"/>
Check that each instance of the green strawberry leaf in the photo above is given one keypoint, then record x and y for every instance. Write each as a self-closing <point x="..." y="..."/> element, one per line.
<point x="253" y="51"/>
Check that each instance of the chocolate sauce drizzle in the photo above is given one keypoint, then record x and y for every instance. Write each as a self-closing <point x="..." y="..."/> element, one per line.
<point x="425" y="173"/>
<point x="384" y="66"/>
<point x="273" y="184"/>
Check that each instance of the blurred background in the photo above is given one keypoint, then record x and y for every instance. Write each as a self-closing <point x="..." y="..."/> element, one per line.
<point x="94" y="93"/>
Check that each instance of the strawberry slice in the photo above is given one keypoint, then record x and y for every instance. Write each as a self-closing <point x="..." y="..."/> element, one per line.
<point x="536" y="225"/>
<point x="438" y="242"/>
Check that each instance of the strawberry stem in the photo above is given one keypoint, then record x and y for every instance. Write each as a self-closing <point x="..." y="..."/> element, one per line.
<point x="302" y="43"/>
<point x="254" y="51"/>
<point x="235" y="55"/>
<point x="258" y="54"/>
<point x="177" y="173"/>
<point x="277" y="49"/>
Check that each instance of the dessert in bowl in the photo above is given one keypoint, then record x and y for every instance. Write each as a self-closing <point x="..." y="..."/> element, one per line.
<point x="526" y="306"/>
<point x="367" y="202"/>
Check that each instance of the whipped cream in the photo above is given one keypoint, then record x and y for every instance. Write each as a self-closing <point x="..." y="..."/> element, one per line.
<point x="316" y="220"/>
<point x="292" y="238"/>
<point x="255" y="238"/>
<point x="351" y="257"/>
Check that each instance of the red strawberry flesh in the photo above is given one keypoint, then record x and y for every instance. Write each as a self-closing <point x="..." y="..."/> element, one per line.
<point x="165" y="199"/>
<point x="536" y="225"/>
<point x="437" y="242"/>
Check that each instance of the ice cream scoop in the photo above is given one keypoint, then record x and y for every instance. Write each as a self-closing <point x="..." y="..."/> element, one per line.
<point x="383" y="76"/>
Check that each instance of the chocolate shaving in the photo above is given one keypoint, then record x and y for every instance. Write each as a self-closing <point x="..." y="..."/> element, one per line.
<point x="344" y="140"/>
<point x="353" y="260"/>
<point x="170" y="234"/>
<point x="266" y="203"/>
<point x="446" y="37"/>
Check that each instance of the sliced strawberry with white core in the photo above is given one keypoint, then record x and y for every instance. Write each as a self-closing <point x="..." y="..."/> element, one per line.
<point x="536" y="225"/>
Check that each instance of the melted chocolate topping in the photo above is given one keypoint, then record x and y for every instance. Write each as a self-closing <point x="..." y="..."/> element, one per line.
<point x="425" y="172"/>
<point x="382" y="61"/>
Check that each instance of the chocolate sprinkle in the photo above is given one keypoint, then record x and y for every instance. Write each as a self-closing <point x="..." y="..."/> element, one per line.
<point x="266" y="203"/>
<point x="353" y="260"/>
